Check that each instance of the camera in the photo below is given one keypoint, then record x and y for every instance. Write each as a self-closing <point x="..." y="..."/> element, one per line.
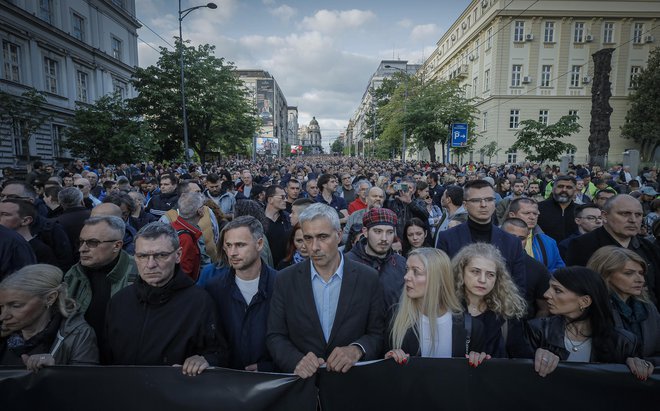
<point x="401" y="187"/>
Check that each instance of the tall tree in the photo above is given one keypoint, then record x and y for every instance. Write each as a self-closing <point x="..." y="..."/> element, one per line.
<point x="220" y="115"/>
<point x="541" y="142"/>
<point x="337" y="147"/>
<point x="643" y="118"/>
<point x="109" y="132"/>
<point x="25" y="114"/>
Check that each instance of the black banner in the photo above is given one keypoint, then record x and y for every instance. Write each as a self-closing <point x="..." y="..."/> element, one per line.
<point x="423" y="383"/>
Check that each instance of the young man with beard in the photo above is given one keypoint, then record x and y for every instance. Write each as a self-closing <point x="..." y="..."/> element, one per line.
<point x="375" y="251"/>
<point x="557" y="218"/>
<point x="242" y="292"/>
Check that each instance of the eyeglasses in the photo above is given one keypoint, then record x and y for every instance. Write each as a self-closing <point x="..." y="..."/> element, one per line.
<point x="486" y="200"/>
<point x="591" y="218"/>
<point x="93" y="242"/>
<point x="81" y="186"/>
<point x="158" y="257"/>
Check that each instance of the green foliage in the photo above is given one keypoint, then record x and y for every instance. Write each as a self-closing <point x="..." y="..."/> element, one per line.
<point x="220" y="116"/>
<point x="430" y="108"/>
<point x="337" y="147"/>
<point x="25" y="113"/>
<point x="643" y="118"/>
<point x="108" y="132"/>
<point x="490" y="150"/>
<point x="542" y="142"/>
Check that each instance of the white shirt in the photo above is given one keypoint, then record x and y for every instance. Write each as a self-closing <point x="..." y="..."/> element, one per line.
<point x="248" y="288"/>
<point x="443" y="326"/>
<point x="583" y="353"/>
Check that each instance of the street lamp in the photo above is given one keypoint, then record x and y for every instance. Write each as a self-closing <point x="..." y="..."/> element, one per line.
<point x="405" y="100"/>
<point x="182" y="15"/>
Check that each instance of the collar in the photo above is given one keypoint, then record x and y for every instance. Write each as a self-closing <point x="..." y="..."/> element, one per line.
<point x="339" y="273"/>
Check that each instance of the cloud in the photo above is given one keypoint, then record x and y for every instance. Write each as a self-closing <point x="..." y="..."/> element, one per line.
<point x="424" y="32"/>
<point x="329" y="21"/>
<point x="284" y="12"/>
<point x="405" y="23"/>
<point x="268" y="2"/>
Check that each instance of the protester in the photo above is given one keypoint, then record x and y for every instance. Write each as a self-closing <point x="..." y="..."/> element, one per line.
<point x="360" y="202"/>
<point x="39" y="325"/>
<point x="588" y="217"/>
<point x="252" y="208"/>
<point x="327" y="184"/>
<point x="296" y="249"/>
<point x="623" y="272"/>
<point x="415" y="236"/>
<point x="430" y="320"/>
<point x="279" y="223"/>
<point x="348" y="320"/>
<point x="19" y="216"/>
<point x="487" y="292"/>
<point x="375" y="199"/>
<point x="166" y="199"/>
<point x="139" y="217"/>
<point x="292" y="193"/>
<point x="347" y="190"/>
<point x="557" y="218"/>
<point x="453" y="209"/>
<point x="74" y="214"/>
<point x="581" y="328"/>
<point x="403" y="205"/>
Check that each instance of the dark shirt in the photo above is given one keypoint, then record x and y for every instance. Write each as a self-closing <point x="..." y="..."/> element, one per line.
<point x="480" y="233"/>
<point x="277" y="232"/>
<point x="43" y="253"/>
<point x="100" y="287"/>
<point x="538" y="280"/>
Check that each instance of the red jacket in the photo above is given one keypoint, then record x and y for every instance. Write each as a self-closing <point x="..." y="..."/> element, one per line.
<point x="356" y="205"/>
<point x="191" y="258"/>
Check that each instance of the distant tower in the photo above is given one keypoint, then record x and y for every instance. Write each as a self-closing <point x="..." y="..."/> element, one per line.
<point x="314" y="134"/>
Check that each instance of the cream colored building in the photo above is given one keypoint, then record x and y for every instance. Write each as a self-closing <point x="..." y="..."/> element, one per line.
<point x="527" y="59"/>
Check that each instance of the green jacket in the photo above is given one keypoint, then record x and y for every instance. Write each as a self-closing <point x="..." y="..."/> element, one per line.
<point x="79" y="288"/>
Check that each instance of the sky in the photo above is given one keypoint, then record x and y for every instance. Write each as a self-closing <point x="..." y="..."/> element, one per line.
<point x="321" y="53"/>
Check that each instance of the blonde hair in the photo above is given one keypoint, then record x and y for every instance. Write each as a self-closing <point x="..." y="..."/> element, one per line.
<point x="439" y="296"/>
<point x="504" y="299"/>
<point x="610" y="259"/>
<point x="40" y="280"/>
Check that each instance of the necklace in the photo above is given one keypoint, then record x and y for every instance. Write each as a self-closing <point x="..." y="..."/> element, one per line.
<point x="576" y="347"/>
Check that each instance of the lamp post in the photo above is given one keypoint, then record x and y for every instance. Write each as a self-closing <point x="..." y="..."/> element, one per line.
<point x="405" y="100"/>
<point x="182" y="15"/>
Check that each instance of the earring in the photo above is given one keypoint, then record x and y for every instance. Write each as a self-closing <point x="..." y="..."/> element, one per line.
<point x="581" y="308"/>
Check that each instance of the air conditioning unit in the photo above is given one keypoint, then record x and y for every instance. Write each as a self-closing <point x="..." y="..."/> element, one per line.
<point x="529" y="37"/>
<point x="586" y="79"/>
<point x="588" y="38"/>
<point x="649" y="39"/>
<point x="527" y="79"/>
<point x="484" y="3"/>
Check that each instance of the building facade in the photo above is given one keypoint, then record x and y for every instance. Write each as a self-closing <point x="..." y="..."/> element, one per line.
<point x="359" y="132"/>
<point x="74" y="51"/>
<point x="271" y="107"/>
<point x="292" y="126"/>
<point x="311" y="139"/>
<point x="534" y="61"/>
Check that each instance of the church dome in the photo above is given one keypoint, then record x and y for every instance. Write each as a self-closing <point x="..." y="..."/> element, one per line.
<point x="314" y="122"/>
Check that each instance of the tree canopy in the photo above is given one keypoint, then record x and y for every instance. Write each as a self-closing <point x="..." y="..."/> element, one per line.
<point x="542" y="142"/>
<point x="643" y="118"/>
<point x="220" y="116"/>
<point x="25" y="113"/>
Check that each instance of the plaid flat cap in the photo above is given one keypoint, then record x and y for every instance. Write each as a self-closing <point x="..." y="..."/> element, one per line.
<point x="379" y="216"/>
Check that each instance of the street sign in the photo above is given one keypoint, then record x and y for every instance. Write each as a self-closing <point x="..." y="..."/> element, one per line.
<point x="459" y="134"/>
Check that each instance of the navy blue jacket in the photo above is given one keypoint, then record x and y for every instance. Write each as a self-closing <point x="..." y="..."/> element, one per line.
<point x="452" y="240"/>
<point x="244" y="325"/>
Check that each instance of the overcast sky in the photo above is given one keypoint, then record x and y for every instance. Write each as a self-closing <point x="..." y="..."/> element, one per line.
<point x="321" y="53"/>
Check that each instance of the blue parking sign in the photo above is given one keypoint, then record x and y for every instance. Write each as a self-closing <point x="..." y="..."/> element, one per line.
<point x="459" y="134"/>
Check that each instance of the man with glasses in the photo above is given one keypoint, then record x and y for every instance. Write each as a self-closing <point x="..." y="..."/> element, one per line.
<point x="163" y="318"/>
<point x="479" y="201"/>
<point x="279" y="223"/>
<point x="588" y="217"/>
<point x="312" y="189"/>
<point x="557" y="217"/>
<point x="347" y="191"/>
<point x="104" y="268"/>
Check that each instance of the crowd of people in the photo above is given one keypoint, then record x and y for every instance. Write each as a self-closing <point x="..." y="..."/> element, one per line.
<point x="289" y="265"/>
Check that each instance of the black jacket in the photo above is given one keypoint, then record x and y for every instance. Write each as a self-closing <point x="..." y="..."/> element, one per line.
<point x="73" y="220"/>
<point x="161" y="203"/>
<point x="548" y="333"/>
<point x="556" y="222"/>
<point x="162" y="326"/>
<point x="404" y="212"/>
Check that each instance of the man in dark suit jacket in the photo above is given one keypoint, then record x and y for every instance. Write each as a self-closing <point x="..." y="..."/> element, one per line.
<point x="327" y="309"/>
<point x="479" y="201"/>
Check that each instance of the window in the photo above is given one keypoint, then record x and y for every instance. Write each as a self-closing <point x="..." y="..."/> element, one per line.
<point x="475" y="83"/>
<point x="57" y="133"/>
<point x="514" y="118"/>
<point x="634" y="73"/>
<point x="578" y="34"/>
<point x="21" y="145"/>
<point x="78" y="27"/>
<point x="119" y="3"/>
<point x="116" y="48"/>
<point x="46" y="10"/>
<point x="546" y="75"/>
<point x="637" y="33"/>
<point x="608" y="32"/>
<point x="11" y="58"/>
<point x="543" y="117"/>
<point x="484" y="120"/>
<point x="487" y="80"/>
<point x="549" y="32"/>
<point x="519" y="31"/>
<point x="81" y="86"/>
<point x="489" y="38"/>
<point x="119" y="87"/>
<point x="512" y="157"/>
<point x="50" y="70"/>
<point x="575" y="76"/>
<point x="574" y="113"/>
<point x="516" y="72"/>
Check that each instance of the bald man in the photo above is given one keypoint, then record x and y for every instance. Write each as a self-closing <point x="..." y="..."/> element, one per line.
<point x="110" y="209"/>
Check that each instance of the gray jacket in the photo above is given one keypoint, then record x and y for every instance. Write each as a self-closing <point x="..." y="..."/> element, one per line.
<point x="75" y="343"/>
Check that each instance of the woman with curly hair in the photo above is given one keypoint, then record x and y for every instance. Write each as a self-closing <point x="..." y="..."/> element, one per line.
<point x="430" y="320"/>
<point x="485" y="287"/>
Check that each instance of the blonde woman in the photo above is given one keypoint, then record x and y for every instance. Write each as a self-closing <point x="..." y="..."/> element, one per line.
<point x="485" y="287"/>
<point x="40" y="325"/>
<point x="624" y="273"/>
<point x="429" y="320"/>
